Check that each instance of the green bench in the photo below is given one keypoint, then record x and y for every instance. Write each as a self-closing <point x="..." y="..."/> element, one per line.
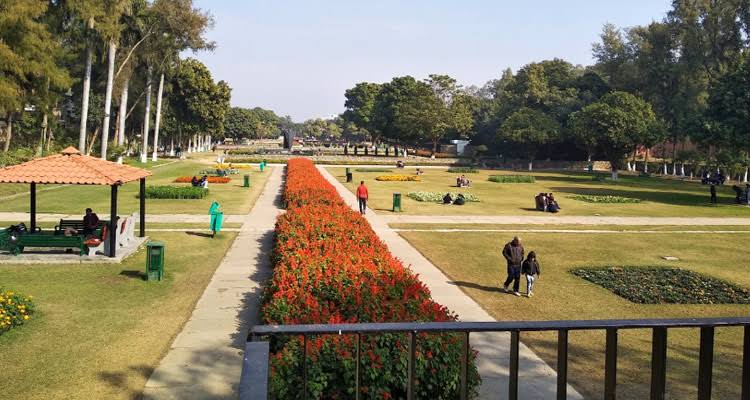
<point x="76" y="224"/>
<point x="45" y="240"/>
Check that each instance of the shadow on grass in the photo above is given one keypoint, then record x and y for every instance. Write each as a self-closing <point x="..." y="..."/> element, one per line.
<point x="672" y="198"/>
<point x="133" y="274"/>
<point x="200" y="234"/>
<point x="472" y="285"/>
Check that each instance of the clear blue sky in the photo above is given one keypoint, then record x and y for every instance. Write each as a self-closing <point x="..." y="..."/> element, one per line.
<point x="298" y="57"/>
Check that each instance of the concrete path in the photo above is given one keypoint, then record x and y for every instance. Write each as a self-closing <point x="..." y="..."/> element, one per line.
<point x="205" y="359"/>
<point x="536" y="379"/>
<point x="558" y="220"/>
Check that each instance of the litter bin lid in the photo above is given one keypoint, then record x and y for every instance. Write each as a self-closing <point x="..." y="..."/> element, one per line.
<point x="154" y="244"/>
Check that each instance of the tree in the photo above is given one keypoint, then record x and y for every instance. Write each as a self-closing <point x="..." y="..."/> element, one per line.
<point x="256" y="123"/>
<point x="529" y="129"/>
<point x="360" y="107"/>
<point x="616" y="123"/>
<point x="388" y="102"/>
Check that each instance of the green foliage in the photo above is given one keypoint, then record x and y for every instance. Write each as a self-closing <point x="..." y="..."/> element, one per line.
<point x="463" y="170"/>
<point x="512" y="179"/>
<point x="15" y="309"/>
<point x="605" y="199"/>
<point x="255" y="123"/>
<point x="360" y="107"/>
<point x="528" y="129"/>
<point x="435" y="197"/>
<point x="386" y="170"/>
<point x="321" y="128"/>
<point x="16" y="156"/>
<point x="175" y="192"/>
<point x="199" y="104"/>
<point x="659" y="285"/>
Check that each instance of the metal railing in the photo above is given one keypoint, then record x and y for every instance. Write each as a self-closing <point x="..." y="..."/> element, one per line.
<point x="659" y="329"/>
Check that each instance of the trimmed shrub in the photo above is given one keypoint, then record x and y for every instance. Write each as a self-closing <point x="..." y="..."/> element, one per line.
<point x="590" y="198"/>
<point x="211" y="179"/>
<point x="659" y="285"/>
<point x="330" y="267"/>
<point x="463" y="170"/>
<point x="398" y="178"/>
<point x="15" y="309"/>
<point x="175" y="192"/>
<point x="435" y="197"/>
<point x="373" y="170"/>
<point x="512" y="179"/>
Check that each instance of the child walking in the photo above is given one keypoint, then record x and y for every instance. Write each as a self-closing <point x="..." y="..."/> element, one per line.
<point x="532" y="270"/>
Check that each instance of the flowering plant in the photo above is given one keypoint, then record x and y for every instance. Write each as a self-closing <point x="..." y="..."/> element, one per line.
<point x="330" y="267"/>
<point x="15" y="309"/>
<point x="398" y="178"/>
<point x="211" y="179"/>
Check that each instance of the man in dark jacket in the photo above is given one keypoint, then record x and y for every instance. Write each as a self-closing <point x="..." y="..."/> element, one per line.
<point x="513" y="253"/>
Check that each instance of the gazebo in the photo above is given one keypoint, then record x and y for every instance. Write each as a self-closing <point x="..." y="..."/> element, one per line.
<point x="73" y="168"/>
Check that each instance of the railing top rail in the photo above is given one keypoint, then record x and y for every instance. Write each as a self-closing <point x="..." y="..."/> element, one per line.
<point x="499" y="326"/>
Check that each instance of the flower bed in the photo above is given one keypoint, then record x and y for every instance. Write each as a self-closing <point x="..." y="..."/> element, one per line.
<point x="175" y="192"/>
<point x="211" y="179"/>
<point x="512" y="179"/>
<point x="234" y="166"/>
<point x="435" y="197"/>
<point x="463" y="170"/>
<point x="398" y="178"/>
<point x="15" y="309"/>
<point x="330" y="267"/>
<point x="658" y="285"/>
<point x="605" y="199"/>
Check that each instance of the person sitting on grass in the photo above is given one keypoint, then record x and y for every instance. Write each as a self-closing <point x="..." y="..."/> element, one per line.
<point x="399" y="164"/>
<point x="531" y="269"/>
<point x="552" y="205"/>
<point x="460" y="200"/>
<point x="447" y="199"/>
<point x="467" y="182"/>
<point x="541" y="202"/>
<point x="419" y="171"/>
<point x="195" y="181"/>
<point x="204" y="182"/>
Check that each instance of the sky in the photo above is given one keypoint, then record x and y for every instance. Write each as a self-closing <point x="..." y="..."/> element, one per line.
<point x="298" y="57"/>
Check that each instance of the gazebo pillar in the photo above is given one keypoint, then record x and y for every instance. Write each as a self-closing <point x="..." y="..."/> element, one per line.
<point x="32" y="207"/>
<point x="142" y="213"/>
<point x="113" y="221"/>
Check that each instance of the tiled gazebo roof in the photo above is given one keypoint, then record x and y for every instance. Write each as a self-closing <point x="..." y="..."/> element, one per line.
<point x="71" y="167"/>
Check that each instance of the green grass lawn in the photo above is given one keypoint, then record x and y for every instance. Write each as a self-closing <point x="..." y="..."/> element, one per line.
<point x="473" y="261"/>
<point x="73" y="199"/>
<point x="578" y="228"/>
<point x="659" y="197"/>
<point x="100" y="330"/>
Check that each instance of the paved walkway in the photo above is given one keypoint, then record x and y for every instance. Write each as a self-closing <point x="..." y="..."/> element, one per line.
<point x="537" y="379"/>
<point x="150" y="218"/>
<point x="558" y="220"/>
<point x="205" y="359"/>
<point x="573" y="231"/>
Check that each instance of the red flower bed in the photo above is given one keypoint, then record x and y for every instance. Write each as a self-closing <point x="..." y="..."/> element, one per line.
<point x="211" y="179"/>
<point x="330" y="267"/>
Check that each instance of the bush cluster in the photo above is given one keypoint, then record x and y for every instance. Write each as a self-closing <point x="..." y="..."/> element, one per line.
<point x="590" y="198"/>
<point x="175" y="192"/>
<point x="211" y="179"/>
<point x="330" y="267"/>
<point x="463" y="170"/>
<point x="15" y="309"/>
<point x="659" y="285"/>
<point x="512" y="179"/>
<point x="435" y="197"/>
<point x="386" y="170"/>
<point x="398" y="178"/>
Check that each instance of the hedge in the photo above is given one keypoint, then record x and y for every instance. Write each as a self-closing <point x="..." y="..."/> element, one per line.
<point x="435" y="197"/>
<point x="463" y="170"/>
<point x="512" y="179"/>
<point x="605" y="199"/>
<point x="175" y="192"/>
<point x="330" y="267"/>
<point x="398" y="178"/>
<point x="15" y="309"/>
<point x="211" y="179"/>
<point x="386" y="170"/>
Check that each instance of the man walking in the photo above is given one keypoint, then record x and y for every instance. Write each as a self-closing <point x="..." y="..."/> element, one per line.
<point x="362" y="196"/>
<point x="513" y="253"/>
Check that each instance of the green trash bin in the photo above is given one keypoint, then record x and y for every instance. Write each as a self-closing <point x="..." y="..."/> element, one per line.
<point x="262" y="166"/>
<point x="246" y="181"/>
<point x="154" y="261"/>
<point x="217" y="218"/>
<point x="397" y="202"/>
<point x="349" y="177"/>
<point x="591" y="167"/>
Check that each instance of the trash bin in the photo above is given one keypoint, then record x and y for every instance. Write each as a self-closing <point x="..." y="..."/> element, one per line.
<point x="217" y="218"/>
<point x="348" y="170"/>
<point x="154" y="261"/>
<point x="591" y="167"/>
<point x="397" y="202"/>
<point x="246" y="181"/>
<point x="262" y="165"/>
<point x="349" y="177"/>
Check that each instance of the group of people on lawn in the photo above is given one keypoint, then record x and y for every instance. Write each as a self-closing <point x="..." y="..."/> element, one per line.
<point x="463" y="181"/>
<point x="546" y="202"/>
<point x="513" y="253"/>
<point x="202" y="182"/>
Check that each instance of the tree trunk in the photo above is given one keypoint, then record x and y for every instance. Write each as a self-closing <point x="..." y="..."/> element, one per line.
<point x="434" y="147"/>
<point x="122" y="116"/>
<point x="147" y="117"/>
<point x="8" y="130"/>
<point x="666" y="168"/>
<point x="614" y="173"/>
<point x="682" y="170"/>
<point x="43" y="135"/>
<point x="93" y="139"/>
<point x="111" y="54"/>
<point x="744" y="178"/>
<point x="171" y="148"/>
<point x="531" y="165"/>
<point x="158" y="118"/>
<point x="85" y="96"/>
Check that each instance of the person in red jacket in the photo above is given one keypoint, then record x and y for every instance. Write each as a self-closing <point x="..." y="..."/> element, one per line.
<point x="362" y="196"/>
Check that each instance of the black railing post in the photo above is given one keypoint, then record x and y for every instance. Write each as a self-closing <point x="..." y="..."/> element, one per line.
<point x="513" y="378"/>
<point x="610" y="365"/>
<point x="746" y="365"/>
<point x="412" y="365"/>
<point x="705" y="363"/>
<point x="659" y="364"/>
<point x="304" y="367"/>
<point x="465" y="349"/>
<point x="562" y="364"/>
<point x="356" y="378"/>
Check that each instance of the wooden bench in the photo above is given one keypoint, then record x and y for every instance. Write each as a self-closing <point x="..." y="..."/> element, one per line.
<point x="46" y="240"/>
<point x="75" y="224"/>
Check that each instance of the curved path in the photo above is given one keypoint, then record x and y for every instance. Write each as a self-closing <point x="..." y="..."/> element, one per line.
<point x="537" y="380"/>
